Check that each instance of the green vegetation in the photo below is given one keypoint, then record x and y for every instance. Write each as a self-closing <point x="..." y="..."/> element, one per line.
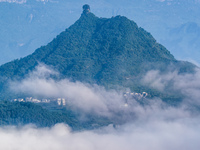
<point x="16" y="113"/>
<point x="22" y="113"/>
<point x="113" y="53"/>
<point x="110" y="52"/>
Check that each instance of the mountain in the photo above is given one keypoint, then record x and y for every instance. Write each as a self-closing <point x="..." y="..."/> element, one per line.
<point x="106" y="51"/>
<point x="27" y="24"/>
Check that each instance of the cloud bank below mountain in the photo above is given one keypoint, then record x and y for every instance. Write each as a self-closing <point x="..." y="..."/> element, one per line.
<point x="148" y="134"/>
<point x="154" y="125"/>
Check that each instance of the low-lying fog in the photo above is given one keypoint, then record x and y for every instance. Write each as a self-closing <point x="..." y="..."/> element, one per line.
<point x="154" y="125"/>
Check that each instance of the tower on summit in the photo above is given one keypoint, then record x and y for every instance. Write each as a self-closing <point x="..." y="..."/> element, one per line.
<point x="86" y="8"/>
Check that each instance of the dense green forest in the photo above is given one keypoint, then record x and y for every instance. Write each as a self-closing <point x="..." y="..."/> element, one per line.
<point x="109" y="52"/>
<point x="16" y="113"/>
<point x="23" y="113"/>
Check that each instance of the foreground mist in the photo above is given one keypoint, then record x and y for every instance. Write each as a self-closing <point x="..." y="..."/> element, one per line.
<point x="156" y="125"/>
<point x="147" y="134"/>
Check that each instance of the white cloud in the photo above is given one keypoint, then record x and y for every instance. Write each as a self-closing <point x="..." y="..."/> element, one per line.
<point x="96" y="99"/>
<point x="14" y="1"/>
<point x="152" y="126"/>
<point x="89" y="98"/>
<point x="164" y="1"/>
<point x="187" y="84"/>
<point x="159" y="81"/>
<point x="24" y="1"/>
<point x="44" y="1"/>
<point x="147" y="134"/>
<point x="160" y="0"/>
<point x="80" y="96"/>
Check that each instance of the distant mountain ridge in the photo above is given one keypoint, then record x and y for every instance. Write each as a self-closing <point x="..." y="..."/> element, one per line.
<point x="108" y="52"/>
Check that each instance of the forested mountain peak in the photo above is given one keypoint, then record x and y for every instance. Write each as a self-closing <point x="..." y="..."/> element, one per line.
<point x="98" y="50"/>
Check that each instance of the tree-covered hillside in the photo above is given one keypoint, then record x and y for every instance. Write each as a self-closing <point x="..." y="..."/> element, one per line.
<point x="23" y="113"/>
<point x="19" y="113"/>
<point x="109" y="52"/>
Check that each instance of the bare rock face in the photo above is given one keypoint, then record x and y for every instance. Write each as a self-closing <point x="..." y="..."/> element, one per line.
<point x="86" y="8"/>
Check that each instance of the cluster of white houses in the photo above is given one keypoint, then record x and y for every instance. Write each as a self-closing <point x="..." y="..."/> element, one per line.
<point x="59" y="101"/>
<point x="62" y="101"/>
<point x="137" y="96"/>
